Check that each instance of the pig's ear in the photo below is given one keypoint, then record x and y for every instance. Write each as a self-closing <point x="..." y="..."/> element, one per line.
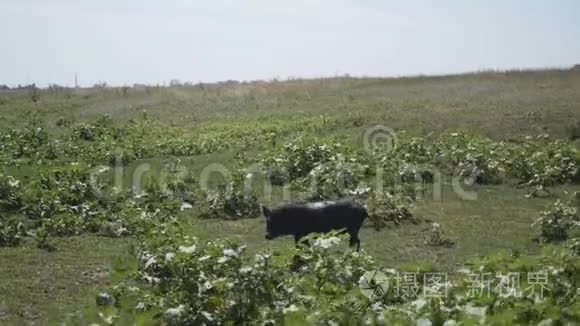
<point x="266" y="211"/>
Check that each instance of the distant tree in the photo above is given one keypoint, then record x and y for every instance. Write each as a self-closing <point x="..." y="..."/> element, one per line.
<point x="4" y="87"/>
<point x="175" y="82"/>
<point x="34" y="93"/>
<point x="26" y="87"/>
<point x="576" y="67"/>
<point x="125" y="90"/>
<point x="230" y="82"/>
<point x="55" y="87"/>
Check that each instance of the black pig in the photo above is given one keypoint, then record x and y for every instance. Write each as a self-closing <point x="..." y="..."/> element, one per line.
<point x="300" y="219"/>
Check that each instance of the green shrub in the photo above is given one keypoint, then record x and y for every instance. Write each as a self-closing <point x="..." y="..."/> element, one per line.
<point x="63" y="225"/>
<point x="230" y="199"/>
<point x="182" y="280"/>
<point x="338" y="177"/>
<point x="416" y="151"/>
<point x="544" y="288"/>
<point x="157" y="197"/>
<point x="276" y="170"/>
<point x="64" y="202"/>
<point x="297" y="160"/>
<point x="10" y="197"/>
<point x="541" y="164"/>
<point x="437" y="238"/>
<point x="57" y="190"/>
<point x="87" y="132"/>
<point x="557" y="221"/>
<point x="11" y="232"/>
<point x="356" y="119"/>
<point x="471" y="156"/>
<point x="386" y="208"/>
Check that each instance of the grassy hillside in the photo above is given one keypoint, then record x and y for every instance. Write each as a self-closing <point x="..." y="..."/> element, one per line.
<point x="497" y="104"/>
<point x="239" y="123"/>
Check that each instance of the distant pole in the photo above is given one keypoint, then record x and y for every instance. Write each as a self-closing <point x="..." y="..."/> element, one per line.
<point x="76" y="81"/>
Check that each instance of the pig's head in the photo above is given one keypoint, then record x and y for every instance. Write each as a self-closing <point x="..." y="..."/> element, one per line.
<point x="273" y="230"/>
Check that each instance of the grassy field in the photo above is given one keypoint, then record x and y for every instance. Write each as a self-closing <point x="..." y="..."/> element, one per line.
<point x="42" y="287"/>
<point x="503" y="104"/>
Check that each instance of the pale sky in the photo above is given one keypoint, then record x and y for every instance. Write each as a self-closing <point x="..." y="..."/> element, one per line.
<point x="145" y="41"/>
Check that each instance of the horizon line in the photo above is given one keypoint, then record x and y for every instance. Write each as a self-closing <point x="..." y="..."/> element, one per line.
<point x="178" y="82"/>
